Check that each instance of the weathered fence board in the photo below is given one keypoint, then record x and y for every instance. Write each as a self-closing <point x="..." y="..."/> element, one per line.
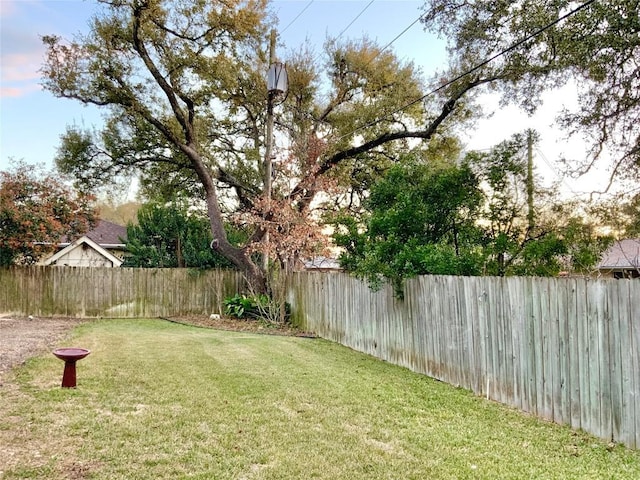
<point x="121" y="292"/>
<point x="634" y="356"/>
<point x="567" y="350"/>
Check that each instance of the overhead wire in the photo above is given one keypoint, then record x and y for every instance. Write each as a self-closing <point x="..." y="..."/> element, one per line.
<point x="387" y="45"/>
<point x="441" y="87"/>
<point x="633" y="190"/>
<point x="343" y="30"/>
<point x="476" y="67"/>
<point x="398" y="36"/>
<point x="297" y="16"/>
<point x="354" y="20"/>
<point x="379" y="52"/>
<point x="554" y="171"/>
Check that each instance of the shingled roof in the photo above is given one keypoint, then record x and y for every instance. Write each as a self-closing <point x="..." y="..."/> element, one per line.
<point x="106" y="234"/>
<point x="623" y="254"/>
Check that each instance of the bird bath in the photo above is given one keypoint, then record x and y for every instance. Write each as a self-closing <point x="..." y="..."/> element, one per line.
<point x="70" y="357"/>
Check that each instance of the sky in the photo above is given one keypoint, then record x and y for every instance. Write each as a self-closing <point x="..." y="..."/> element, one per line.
<point x="32" y="120"/>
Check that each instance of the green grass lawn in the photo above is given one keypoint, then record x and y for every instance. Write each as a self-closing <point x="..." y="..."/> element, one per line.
<point x="157" y="400"/>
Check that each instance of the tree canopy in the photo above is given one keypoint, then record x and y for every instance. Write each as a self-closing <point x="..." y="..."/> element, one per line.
<point x="421" y="220"/>
<point x="36" y="211"/>
<point x="593" y="46"/>
<point x="183" y="86"/>
<point x="529" y="230"/>
<point x="164" y="70"/>
<point x="486" y="216"/>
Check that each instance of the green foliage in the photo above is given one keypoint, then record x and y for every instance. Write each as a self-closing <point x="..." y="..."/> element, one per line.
<point x="594" y="51"/>
<point x="632" y="211"/>
<point x="421" y="220"/>
<point x="620" y="214"/>
<point x="172" y="236"/>
<point x="179" y="85"/>
<point x="482" y="218"/>
<point x="584" y="244"/>
<point x="183" y="87"/>
<point x="511" y="210"/>
<point x="527" y="229"/>
<point x="242" y="306"/>
<point x="540" y="257"/>
<point x="260" y="307"/>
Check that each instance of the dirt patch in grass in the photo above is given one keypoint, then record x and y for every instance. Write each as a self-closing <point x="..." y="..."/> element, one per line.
<point x="24" y="337"/>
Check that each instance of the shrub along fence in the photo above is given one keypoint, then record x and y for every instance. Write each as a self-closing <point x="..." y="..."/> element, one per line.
<point x="567" y="350"/>
<point x="115" y="292"/>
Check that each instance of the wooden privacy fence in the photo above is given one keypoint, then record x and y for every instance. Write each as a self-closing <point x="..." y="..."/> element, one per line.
<point x="115" y="292"/>
<point x="567" y="350"/>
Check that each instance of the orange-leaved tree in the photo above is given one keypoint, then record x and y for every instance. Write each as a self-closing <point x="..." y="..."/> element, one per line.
<point x="36" y="210"/>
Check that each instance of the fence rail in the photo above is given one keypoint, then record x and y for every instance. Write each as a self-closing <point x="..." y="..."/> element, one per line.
<point x="567" y="350"/>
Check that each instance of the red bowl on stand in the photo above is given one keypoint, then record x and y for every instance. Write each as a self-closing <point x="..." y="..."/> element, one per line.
<point x="70" y="355"/>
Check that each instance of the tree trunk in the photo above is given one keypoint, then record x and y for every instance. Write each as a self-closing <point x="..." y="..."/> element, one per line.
<point x="179" y="255"/>
<point x="240" y="257"/>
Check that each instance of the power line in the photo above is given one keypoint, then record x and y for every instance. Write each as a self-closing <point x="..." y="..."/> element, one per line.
<point x="388" y="44"/>
<point x="353" y="21"/>
<point x="297" y="16"/>
<point x="383" y="48"/>
<point x="554" y="171"/>
<point x="399" y="35"/>
<point x="478" y="66"/>
<point x="343" y="30"/>
<point x="392" y="41"/>
<point x="633" y="190"/>
<point x="356" y="18"/>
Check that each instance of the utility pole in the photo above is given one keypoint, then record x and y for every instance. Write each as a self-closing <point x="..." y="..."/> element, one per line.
<point x="269" y="135"/>
<point x="277" y="84"/>
<point x="530" y="189"/>
<point x="268" y="153"/>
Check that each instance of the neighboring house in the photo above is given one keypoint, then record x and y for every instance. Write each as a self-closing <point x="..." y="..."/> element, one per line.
<point x="83" y="252"/>
<point x="101" y="247"/>
<point x="322" y="264"/>
<point x="622" y="259"/>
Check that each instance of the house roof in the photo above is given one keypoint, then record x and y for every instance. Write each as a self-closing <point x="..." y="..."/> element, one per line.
<point x="623" y="254"/>
<point x="106" y="234"/>
<point x="115" y="261"/>
<point x="322" y="263"/>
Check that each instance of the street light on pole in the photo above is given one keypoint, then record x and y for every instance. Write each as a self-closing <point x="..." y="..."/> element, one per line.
<point x="277" y="84"/>
<point x="277" y="81"/>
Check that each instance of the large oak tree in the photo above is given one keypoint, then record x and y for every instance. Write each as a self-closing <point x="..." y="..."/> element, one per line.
<point x="183" y="84"/>
<point x="591" y="45"/>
